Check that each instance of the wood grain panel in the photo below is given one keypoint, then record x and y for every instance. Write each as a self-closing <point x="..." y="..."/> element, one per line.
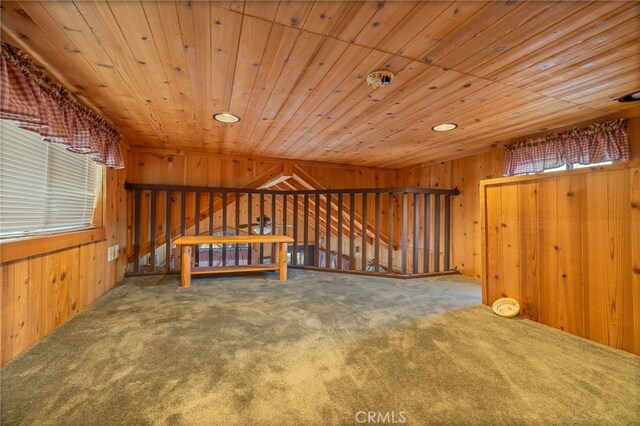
<point x="578" y="244"/>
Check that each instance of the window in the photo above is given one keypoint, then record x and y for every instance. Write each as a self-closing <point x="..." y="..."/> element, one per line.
<point x="576" y="166"/>
<point x="43" y="187"/>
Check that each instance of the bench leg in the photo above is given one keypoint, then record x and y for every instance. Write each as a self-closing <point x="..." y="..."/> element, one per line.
<point x="283" y="261"/>
<point x="185" y="270"/>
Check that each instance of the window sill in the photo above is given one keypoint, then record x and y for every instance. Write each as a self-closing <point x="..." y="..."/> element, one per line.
<point x="20" y="248"/>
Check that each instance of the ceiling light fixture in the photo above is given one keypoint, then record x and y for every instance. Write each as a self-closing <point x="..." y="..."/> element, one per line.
<point x="225" y="117"/>
<point x="631" y="97"/>
<point x="444" y="127"/>
<point x="380" y="78"/>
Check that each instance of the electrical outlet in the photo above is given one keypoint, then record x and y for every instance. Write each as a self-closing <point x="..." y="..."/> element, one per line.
<point x="113" y="252"/>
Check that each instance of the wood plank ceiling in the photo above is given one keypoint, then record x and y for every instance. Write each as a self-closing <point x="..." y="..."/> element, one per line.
<point x="296" y="71"/>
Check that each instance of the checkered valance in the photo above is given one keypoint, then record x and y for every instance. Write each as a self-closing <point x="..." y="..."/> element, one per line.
<point x="594" y="144"/>
<point x="31" y="98"/>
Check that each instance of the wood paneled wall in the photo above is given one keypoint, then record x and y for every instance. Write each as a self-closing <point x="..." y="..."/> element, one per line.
<point x="190" y="168"/>
<point x="41" y="292"/>
<point x="567" y="246"/>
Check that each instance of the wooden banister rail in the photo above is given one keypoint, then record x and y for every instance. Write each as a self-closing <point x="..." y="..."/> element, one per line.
<point x="405" y="231"/>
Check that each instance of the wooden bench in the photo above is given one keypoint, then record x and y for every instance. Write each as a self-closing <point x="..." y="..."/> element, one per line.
<point x="187" y="244"/>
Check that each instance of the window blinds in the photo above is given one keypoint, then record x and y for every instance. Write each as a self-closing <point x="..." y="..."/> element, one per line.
<point x="43" y="187"/>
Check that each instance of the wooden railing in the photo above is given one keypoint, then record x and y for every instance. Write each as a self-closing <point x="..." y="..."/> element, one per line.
<point x="391" y="231"/>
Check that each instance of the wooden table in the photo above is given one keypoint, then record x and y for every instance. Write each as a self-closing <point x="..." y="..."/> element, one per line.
<point x="187" y="244"/>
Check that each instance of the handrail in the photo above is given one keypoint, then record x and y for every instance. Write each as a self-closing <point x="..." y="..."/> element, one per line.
<point x="180" y="188"/>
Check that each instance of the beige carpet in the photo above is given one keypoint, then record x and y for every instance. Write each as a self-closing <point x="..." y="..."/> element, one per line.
<point x="317" y="349"/>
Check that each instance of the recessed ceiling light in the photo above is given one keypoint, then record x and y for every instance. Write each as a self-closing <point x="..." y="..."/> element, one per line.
<point x="445" y="127"/>
<point x="631" y="97"/>
<point x="225" y="117"/>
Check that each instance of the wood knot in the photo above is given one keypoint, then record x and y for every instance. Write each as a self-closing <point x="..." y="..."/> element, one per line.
<point x="635" y="205"/>
<point x="636" y="270"/>
<point x="63" y="276"/>
<point x="570" y="194"/>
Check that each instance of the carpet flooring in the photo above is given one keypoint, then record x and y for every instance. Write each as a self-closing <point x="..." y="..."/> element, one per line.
<point x="318" y="349"/>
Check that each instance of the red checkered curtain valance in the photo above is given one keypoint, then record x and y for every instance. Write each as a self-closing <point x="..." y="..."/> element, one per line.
<point x="38" y="104"/>
<point x="594" y="144"/>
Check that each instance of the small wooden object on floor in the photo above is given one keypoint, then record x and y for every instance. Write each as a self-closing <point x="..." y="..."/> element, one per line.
<point x="188" y="242"/>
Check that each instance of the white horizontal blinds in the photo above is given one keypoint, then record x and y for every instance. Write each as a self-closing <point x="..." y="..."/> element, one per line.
<point x="71" y="189"/>
<point x="43" y="187"/>
<point x="23" y="180"/>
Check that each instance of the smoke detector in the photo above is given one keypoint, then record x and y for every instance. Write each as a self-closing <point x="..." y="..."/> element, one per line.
<point x="380" y="78"/>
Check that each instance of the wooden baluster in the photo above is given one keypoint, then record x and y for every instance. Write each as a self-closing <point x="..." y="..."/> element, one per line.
<point x="261" y="223"/>
<point x="339" y="227"/>
<point x="365" y="263"/>
<point x="167" y="231"/>
<point x="238" y="197"/>
<point x="416" y="232"/>
<point x="376" y="243"/>
<point x="211" y="226"/>
<point x="391" y="216"/>
<point x="137" y="195"/>
<point x="327" y="229"/>
<point x="196" y="222"/>
<point x="352" y="234"/>
<point x="152" y="232"/>
<point x="183" y="213"/>
<point x="427" y="230"/>
<point x="285" y="207"/>
<point x="436" y="234"/>
<point x="403" y="235"/>
<point x="306" y="230"/>
<point x="447" y="218"/>
<point x="249" y="226"/>
<point x="224" y="227"/>
<point x="316" y="241"/>
<point x="294" y="256"/>
<point x="273" y="227"/>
